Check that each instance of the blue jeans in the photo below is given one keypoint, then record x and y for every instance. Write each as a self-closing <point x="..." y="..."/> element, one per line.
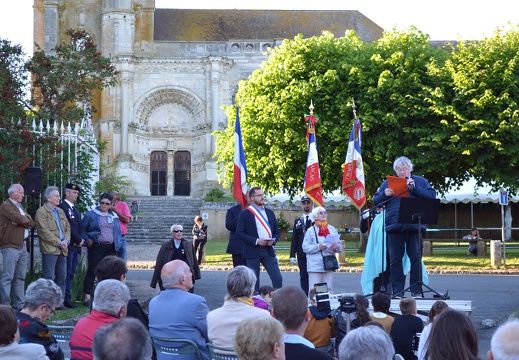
<point x="270" y="263"/>
<point x="74" y="255"/>
<point x="397" y="243"/>
<point x="55" y="268"/>
<point x="123" y="251"/>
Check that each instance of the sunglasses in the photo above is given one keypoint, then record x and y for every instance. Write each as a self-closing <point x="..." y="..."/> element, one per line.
<point x="322" y="212"/>
<point x="105" y="203"/>
<point x="177" y="231"/>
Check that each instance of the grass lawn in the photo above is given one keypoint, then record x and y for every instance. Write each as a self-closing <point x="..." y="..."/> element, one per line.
<point x="448" y="257"/>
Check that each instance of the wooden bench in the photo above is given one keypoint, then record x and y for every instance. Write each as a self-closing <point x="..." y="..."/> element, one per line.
<point x="428" y="245"/>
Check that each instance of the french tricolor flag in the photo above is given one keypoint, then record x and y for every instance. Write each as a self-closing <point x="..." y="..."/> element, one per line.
<point x="353" y="178"/>
<point x="240" y="168"/>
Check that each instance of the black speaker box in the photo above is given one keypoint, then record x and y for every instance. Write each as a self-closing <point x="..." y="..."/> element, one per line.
<point x="33" y="179"/>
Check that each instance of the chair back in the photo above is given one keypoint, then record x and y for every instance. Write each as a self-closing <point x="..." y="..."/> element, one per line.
<point x="175" y="346"/>
<point x="221" y="353"/>
<point x="62" y="334"/>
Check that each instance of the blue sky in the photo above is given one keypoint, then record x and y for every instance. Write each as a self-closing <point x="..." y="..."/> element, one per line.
<point x="441" y="19"/>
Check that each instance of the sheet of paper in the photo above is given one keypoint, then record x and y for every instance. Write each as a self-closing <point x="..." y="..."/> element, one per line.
<point x="330" y="239"/>
<point x="398" y="185"/>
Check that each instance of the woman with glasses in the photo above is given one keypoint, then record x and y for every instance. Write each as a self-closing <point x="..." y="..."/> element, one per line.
<point x="42" y="297"/>
<point x="102" y="232"/>
<point x="317" y="244"/>
<point x="176" y="249"/>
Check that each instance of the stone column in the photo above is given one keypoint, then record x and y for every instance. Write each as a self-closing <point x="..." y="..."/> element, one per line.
<point x="215" y="97"/>
<point x="495" y="253"/>
<point x="125" y="111"/>
<point x="51" y="25"/>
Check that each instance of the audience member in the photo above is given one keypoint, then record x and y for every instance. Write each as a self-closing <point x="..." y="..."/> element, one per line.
<point x="102" y="232"/>
<point x="54" y="238"/>
<point x="110" y="304"/>
<point x="320" y="330"/>
<point x="381" y="303"/>
<point x="366" y="343"/>
<point x="120" y="208"/>
<point x="177" y="248"/>
<point x="124" y="339"/>
<point x="315" y="248"/>
<point x="259" y="232"/>
<point x="199" y="237"/>
<point x="15" y="223"/>
<point x="473" y="245"/>
<point x="10" y="336"/>
<point x="76" y="238"/>
<point x="264" y="297"/>
<point x="114" y="267"/>
<point x="134" y="210"/>
<point x="453" y="336"/>
<point x="42" y="297"/>
<point x="405" y="328"/>
<point x="362" y="315"/>
<point x="504" y="344"/>
<point x="290" y="307"/>
<point x="190" y="319"/>
<point x="223" y="322"/>
<point x="436" y="309"/>
<point x="301" y="224"/>
<point x="260" y="339"/>
<point x="235" y="246"/>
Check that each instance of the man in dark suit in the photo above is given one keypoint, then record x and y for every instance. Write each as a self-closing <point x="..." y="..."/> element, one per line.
<point x="76" y="241"/>
<point x="301" y="224"/>
<point x="259" y="232"/>
<point x="290" y="307"/>
<point x="235" y="246"/>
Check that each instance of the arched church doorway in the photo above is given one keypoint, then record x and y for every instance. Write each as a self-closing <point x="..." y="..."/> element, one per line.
<point x="159" y="173"/>
<point x="182" y="170"/>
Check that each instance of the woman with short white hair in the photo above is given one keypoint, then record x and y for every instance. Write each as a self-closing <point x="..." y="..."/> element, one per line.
<point x="315" y="248"/>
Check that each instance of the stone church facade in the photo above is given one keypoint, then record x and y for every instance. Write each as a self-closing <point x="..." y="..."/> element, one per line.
<point x="177" y="68"/>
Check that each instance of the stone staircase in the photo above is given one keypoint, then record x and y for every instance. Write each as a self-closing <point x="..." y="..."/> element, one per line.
<point x="158" y="213"/>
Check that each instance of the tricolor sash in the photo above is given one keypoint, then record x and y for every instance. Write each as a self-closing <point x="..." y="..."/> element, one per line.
<point x="261" y="220"/>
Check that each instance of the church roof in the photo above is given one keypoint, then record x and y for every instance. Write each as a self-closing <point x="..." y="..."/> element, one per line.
<point x="224" y="25"/>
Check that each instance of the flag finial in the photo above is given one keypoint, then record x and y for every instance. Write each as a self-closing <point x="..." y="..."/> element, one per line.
<point x="354" y="108"/>
<point x="311" y="107"/>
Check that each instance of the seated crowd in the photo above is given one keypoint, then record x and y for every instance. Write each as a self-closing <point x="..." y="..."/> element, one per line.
<point x="287" y="329"/>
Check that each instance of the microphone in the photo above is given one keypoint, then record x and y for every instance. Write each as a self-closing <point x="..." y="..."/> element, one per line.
<point x="411" y="186"/>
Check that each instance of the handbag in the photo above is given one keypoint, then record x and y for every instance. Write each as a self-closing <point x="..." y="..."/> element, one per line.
<point x="330" y="262"/>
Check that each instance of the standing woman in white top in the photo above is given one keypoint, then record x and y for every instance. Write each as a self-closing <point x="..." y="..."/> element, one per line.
<point x="315" y="249"/>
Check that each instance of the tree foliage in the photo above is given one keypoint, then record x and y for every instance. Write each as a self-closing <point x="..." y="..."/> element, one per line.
<point x="451" y="110"/>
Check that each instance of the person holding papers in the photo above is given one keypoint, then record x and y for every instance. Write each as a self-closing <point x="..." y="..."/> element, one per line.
<point x="320" y="240"/>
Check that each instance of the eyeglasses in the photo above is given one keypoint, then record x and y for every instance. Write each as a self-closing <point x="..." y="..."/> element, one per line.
<point x="177" y="231"/>
<point x="105" y="203"/>
<point x="259" y="195"/>
<point x="322" y="212"/>
<point x="52" y="312"/>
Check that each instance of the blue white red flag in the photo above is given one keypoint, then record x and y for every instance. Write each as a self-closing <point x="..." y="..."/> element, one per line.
<point x="240" y="168"/>
<point x="312" y="183"/>
<point x="353" y="178"/>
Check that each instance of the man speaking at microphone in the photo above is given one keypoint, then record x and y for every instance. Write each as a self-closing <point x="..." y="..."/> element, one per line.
<point x="403" y="237"/>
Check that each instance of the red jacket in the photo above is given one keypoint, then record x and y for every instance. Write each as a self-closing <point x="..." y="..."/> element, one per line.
<point x="83" y="334"/>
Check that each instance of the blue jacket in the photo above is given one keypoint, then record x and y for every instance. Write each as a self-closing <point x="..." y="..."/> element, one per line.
<point x="231" y="222"/>
<point x="247" y="233"/>
<point x="91" y="230"/>
<point x="422" y="189"/>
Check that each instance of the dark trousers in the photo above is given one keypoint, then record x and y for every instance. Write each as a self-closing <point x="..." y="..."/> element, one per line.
<point x="303" y="273"/>
<point x="96" y="253"/>
<point x="73" y="257"/>
<point x="398" y="243"/>
<point x="270" y="263"/>
<point x="237" y="260"/>
<point x="199" y="249"/>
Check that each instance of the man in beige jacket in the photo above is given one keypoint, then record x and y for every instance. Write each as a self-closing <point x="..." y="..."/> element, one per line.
<point x="15" y="223"/>
<point x="54" y="236"/>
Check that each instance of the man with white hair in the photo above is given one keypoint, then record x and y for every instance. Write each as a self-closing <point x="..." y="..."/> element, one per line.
<point x="368" y="343"/>
<point x="504" y="344"/>
<point x="125" y="339"/>
<point x="110" y="304"/>
<point x="176" y="313"/>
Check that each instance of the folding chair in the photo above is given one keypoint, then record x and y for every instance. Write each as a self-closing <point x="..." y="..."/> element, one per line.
<point x="175" y="346"/>
<point x="221" y="353"/>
